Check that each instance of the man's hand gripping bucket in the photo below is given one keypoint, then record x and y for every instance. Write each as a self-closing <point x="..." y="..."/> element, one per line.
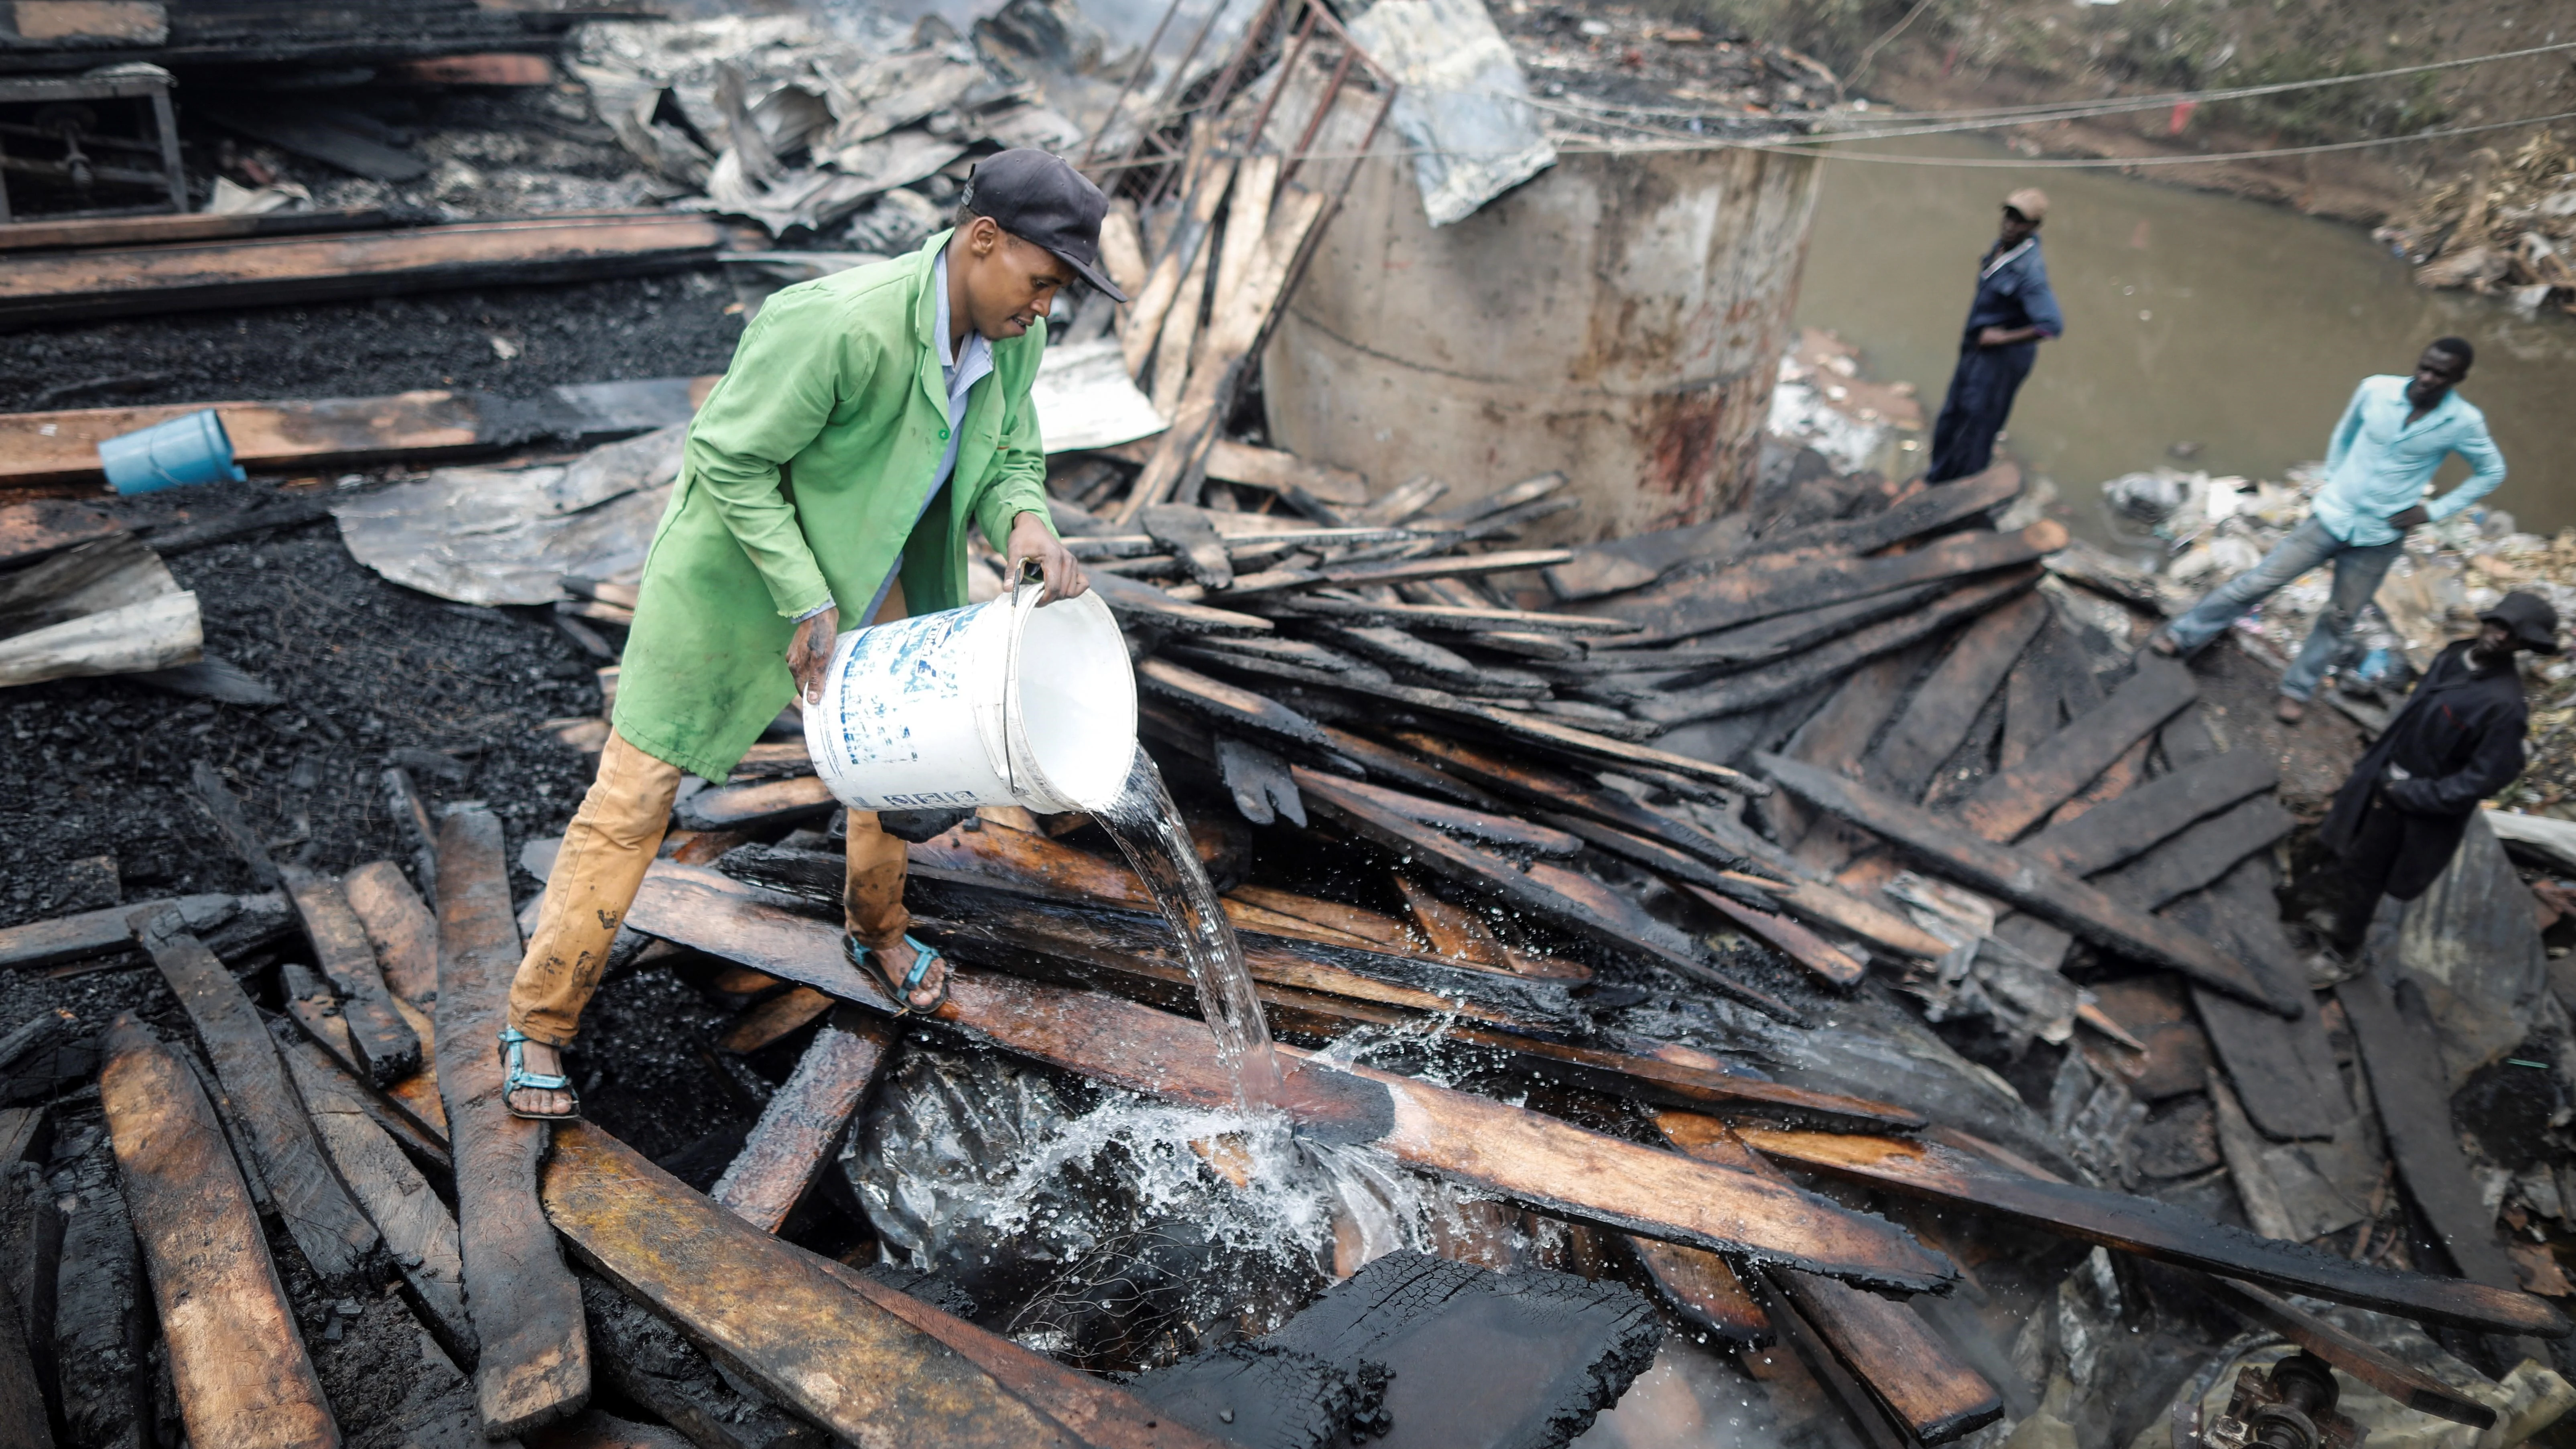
<point x="1003" y="703"/>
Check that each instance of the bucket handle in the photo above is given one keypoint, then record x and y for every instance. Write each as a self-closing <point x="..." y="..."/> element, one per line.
<point x="1027" y="592"/>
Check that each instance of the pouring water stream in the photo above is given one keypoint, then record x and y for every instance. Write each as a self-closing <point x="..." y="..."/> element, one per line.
<point x="1148" y="829"/>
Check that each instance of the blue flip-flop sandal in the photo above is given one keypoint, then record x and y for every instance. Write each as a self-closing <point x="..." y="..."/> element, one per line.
<point x="517" y="1078"/>
<point x="922" y="959"/>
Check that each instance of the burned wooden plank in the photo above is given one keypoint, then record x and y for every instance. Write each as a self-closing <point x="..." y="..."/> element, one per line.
<point x="753" y="806"/>
<point x="1908" y="1369"/>
<point x="2110" y="834"/>
<point x="803" y="1329"/>
<point x="2197" y="856"/>
<point x="1493" y="829"/>
<point x="398" y="925"/>
<point x="1448" y="566"/>
<point x="418" y="1232"/>
<point x="236" y="1361"/>
<point x="22" y="1393"/>
<point x="803" y="1121"/>
<point x="2147" y="1227"/>
<point x="66" y="939"/>
<point x="333" y="1235"/>
<point x="410" y="1108"/>
<point x="1567" y="897"/>
<point x="1143" y="604"/>
<point x="1788" y="938"/>
<point x="2403" y="1056"/>
<point x="1136" y="965"/>
<point x="653" y="1365"/>
<point x="2372" y="1365"/>
<point x="1453" y="931"/>
<point x="101" y="1349"/>
<point x="1554" y="790"/>
<point x="2284" y="1071"/>
<point x="2050" y="683"/>
<point x="1766" y="640"/>
<point x="535" y="1362"/>
<point x="1703" y="1288"/>
<point x="1738" y="693"/>
<point x="1705" y="603"/>
<point x="2010" y="803"/>
<point x="772" y="1020"/>
<point x="1936" y="720"/>
<point x="225" y="808"/>
<point x="1450" y="618"/>
<point x="2046" y="893"/>
<point x="1468" y="1138"/>
<point x="385" y="1042"/>
<point x="1834" y="736"/>
<point x="31" y="1243"/>
<point x="1573" y="1345"/>
<point x="113" y="282"/>
<point x="42" y="526"/>
<point x="1227" y="704"/>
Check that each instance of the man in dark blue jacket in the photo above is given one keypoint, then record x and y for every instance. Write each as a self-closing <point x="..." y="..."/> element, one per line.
<point x="2400" y="817"/>
<point x="2013" y="313"/>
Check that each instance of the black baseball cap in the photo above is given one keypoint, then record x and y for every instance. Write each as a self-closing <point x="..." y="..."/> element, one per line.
<point x="1038" y="197"/>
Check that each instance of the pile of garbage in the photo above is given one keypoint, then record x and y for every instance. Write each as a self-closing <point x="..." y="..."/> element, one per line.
<point x="2507" y="226"/>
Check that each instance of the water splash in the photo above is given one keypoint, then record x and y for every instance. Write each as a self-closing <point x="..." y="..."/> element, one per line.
<point x="1148" y="829"/>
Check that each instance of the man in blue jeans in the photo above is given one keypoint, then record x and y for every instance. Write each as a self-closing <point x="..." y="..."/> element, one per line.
<point x="2394" y="434"/>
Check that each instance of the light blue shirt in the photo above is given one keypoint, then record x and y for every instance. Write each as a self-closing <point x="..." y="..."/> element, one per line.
<point x="961" y="375"/>
<point x="2378" y="465"/>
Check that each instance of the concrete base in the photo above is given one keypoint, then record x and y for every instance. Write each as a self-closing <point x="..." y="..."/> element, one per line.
<point x="1618" y="317"/>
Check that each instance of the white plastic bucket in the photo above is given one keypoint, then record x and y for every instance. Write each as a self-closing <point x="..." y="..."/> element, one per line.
<point x="1002" y="703"/>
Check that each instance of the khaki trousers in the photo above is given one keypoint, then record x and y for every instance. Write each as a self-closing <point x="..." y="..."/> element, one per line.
<point x="613" y="839"/>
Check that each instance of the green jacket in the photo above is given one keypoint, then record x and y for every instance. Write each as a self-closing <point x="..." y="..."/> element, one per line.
<point x="801" y="481"/>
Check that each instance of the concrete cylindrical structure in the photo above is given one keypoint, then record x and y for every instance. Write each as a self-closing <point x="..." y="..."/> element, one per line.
<point x="1617" y="317"/>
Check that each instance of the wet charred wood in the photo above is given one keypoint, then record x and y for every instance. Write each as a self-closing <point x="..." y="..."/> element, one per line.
<point x="1471" y="1139"/>
<point x="101" y="1346"/>
<point x="1138" y="965"/>
<point x="1911" y="1373"/>
<point x="107" y="931"/>
<point x="2197" y="856"/>
<point x="418" y="1232"/>
<point x="1450" y="618"/>
<point x="2118" y="830"/>
<point x="327" y="1227"/>
<point x="534" y="1367"/>
<point x="2146" y="1227"/>
<point x="1821" y="958"/>
<point x="1936" y="720"/>
<point x="43" y="526"/>
<point x="653" y="1365"/>
<point x="848" y="1354"/>
<point x="1142" y="605"/>
<point x="1765" y="640"/>
<point x="409" y="1109"/>
<point x="1705" y="1289"/>
<point x="237" y="1362"/>
<point x="385" y="1042"/>
<point x="773" y="1020"/>
<point x="1507" y="831"/>
<point x="2051" y="895"/>
<point x="1260" y="1394"/>
<point x="1554" y="790"/>
<point x="1227" y="704"/>
<point x="2010" y="803"/>
<point x="31" y="1250"/>
<point x="399" y="926"/>
<point x="2394" y="1033"/>
<point x="1738" y="693"/>
<point x="1567" y="897"/>
<point x="2285" y="1071"/>
<point x="755" y="806"/>
<point x="1794" y="582"/>
<point x="225" y="809"/>
<point x="804" y="1119"/>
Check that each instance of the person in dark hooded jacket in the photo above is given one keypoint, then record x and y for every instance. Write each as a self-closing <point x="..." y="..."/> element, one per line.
<point x="2399" y="818"/>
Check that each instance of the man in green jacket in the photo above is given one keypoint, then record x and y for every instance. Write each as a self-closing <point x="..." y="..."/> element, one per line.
<point x="868" y="419"/>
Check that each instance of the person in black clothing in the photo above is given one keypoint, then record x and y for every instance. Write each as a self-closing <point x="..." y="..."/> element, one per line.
<point x="2400" y="817"/>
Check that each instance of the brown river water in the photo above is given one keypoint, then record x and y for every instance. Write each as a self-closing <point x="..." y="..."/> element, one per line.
<point x="2191" y="317"/>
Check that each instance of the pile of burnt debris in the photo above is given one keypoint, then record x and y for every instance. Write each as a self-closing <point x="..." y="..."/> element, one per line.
<point x="1798" y="978"/>
<point x="1635" y="902"/>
